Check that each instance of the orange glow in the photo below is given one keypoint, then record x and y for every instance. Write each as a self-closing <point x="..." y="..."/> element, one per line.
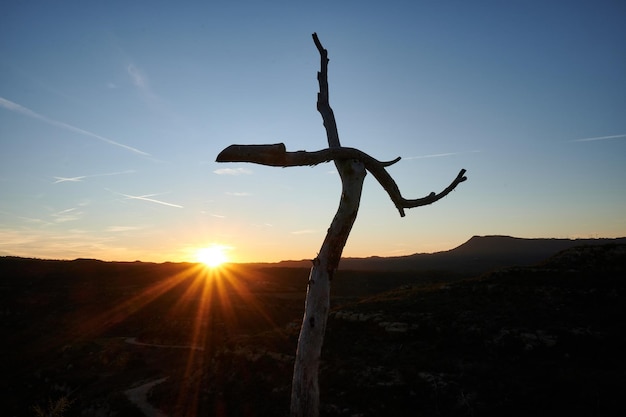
<point x="196" y="308"/>
<point x="212" y="256"/>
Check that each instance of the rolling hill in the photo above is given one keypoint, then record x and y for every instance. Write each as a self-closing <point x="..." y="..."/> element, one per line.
<point x="478" y="254"/>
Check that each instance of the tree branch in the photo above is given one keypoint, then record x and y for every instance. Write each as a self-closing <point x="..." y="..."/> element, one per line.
<point x="277" y="155"/>
<point x="323" y="103"/>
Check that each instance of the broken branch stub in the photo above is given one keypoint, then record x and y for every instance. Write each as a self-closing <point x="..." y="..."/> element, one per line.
<point x="323" y="103"/>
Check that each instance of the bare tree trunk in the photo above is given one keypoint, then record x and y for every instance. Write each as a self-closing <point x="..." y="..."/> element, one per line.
<point x="351" y="165"/>
<point x="305" y="388"/>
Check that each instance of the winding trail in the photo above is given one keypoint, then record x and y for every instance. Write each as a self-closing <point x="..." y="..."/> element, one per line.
<point x="133" y="341"/>
<point x="139" y="397"/>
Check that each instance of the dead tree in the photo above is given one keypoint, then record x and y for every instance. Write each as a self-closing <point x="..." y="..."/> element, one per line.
<point x="352" y="165"/>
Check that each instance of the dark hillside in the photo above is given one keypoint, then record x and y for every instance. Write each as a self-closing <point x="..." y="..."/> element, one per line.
<point x="538" y="340"/>
<point x="544" y="340"/>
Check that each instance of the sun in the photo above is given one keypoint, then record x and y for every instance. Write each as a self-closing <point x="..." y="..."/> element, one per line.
<point x="212" y="256"/>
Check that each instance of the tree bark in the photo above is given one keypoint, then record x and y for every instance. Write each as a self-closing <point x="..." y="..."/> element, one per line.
<point x="305" y="388"/>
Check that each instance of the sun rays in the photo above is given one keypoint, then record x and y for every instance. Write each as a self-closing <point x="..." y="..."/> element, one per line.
<point x="212" y="256"/>
<point x="187" y="307"/>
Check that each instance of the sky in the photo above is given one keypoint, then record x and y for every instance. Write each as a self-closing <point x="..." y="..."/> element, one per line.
<point x="112" y="114"/>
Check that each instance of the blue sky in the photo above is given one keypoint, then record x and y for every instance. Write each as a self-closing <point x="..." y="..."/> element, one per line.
<point x="112" y="114"/>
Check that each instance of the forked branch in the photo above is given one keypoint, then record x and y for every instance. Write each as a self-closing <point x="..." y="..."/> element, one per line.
<point x="277" y="155"/>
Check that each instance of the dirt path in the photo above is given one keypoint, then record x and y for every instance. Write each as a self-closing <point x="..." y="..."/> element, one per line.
<point x="133" y="341"/>
<point x="139" y="397"/>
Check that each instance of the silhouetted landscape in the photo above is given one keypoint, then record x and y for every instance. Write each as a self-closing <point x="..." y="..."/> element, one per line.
<point x="497" y="326"/>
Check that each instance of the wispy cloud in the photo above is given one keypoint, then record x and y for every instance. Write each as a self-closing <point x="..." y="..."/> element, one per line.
<point x="12" y="239"/>
<point x="34" y="220"/>
<point x="142" y="83"/>
<point x="138" y="78"/>
<point x="14" y="107"/>
<point x="599" y="138"/>
<point x="62" y="244"/>
<point x="303" y="232"/>
<point x="262" y="225"/>
<point x="82" y="177"/>
<point x="233" y="171"/>
<point x="67" y="215"/>
<point x="438" y="155"/>
<point x="237" y="194"/>
<point x="118" y="229"/>
<point x="208" y="213"/>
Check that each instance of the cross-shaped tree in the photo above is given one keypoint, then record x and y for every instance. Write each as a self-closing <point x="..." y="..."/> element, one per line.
<point x="352" y="165"/>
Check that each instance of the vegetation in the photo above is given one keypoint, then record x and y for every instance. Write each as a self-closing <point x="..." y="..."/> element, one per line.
<point x="55" y="408"/>
<point x="542" y="339"/>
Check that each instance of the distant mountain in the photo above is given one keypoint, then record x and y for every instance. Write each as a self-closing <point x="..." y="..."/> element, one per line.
<point x="479" y="254"/>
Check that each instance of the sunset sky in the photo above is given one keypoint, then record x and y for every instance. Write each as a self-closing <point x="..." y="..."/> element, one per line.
<point x="112" y="114"/>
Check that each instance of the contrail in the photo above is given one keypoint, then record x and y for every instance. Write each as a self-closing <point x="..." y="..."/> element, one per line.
<point x="82" y="177"/>
<point x="599" y="138"/>
<point x="145" y="198"/>
<point x="72" y="179"/>
<point x="438" y="155"/>
<point x="9" y="105"/>
<point x="152" y="200"/>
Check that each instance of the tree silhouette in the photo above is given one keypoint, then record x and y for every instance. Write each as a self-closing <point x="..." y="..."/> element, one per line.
<point x="352" y="165"/>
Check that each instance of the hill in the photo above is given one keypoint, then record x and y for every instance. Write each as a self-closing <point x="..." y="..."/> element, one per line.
<point x="543" y="339"/>
<point x="478" y="254"/>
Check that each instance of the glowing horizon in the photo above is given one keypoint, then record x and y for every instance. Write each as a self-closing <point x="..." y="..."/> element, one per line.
<point x="108" y="145"/>
<point x="228" y="254"/>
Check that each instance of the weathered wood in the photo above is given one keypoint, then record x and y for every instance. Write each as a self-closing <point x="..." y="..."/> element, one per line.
<point x="352" y="165"/>
<point x="277" y="155"/>
<point x="305" y="388"/>
<point x="323" y="102"/>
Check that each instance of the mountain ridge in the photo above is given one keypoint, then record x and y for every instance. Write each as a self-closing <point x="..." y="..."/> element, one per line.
<point x="476" y="255"/>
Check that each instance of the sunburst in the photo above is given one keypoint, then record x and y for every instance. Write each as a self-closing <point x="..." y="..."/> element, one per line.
<point x="212" y="256"/>
<point x="202" y="302"/>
